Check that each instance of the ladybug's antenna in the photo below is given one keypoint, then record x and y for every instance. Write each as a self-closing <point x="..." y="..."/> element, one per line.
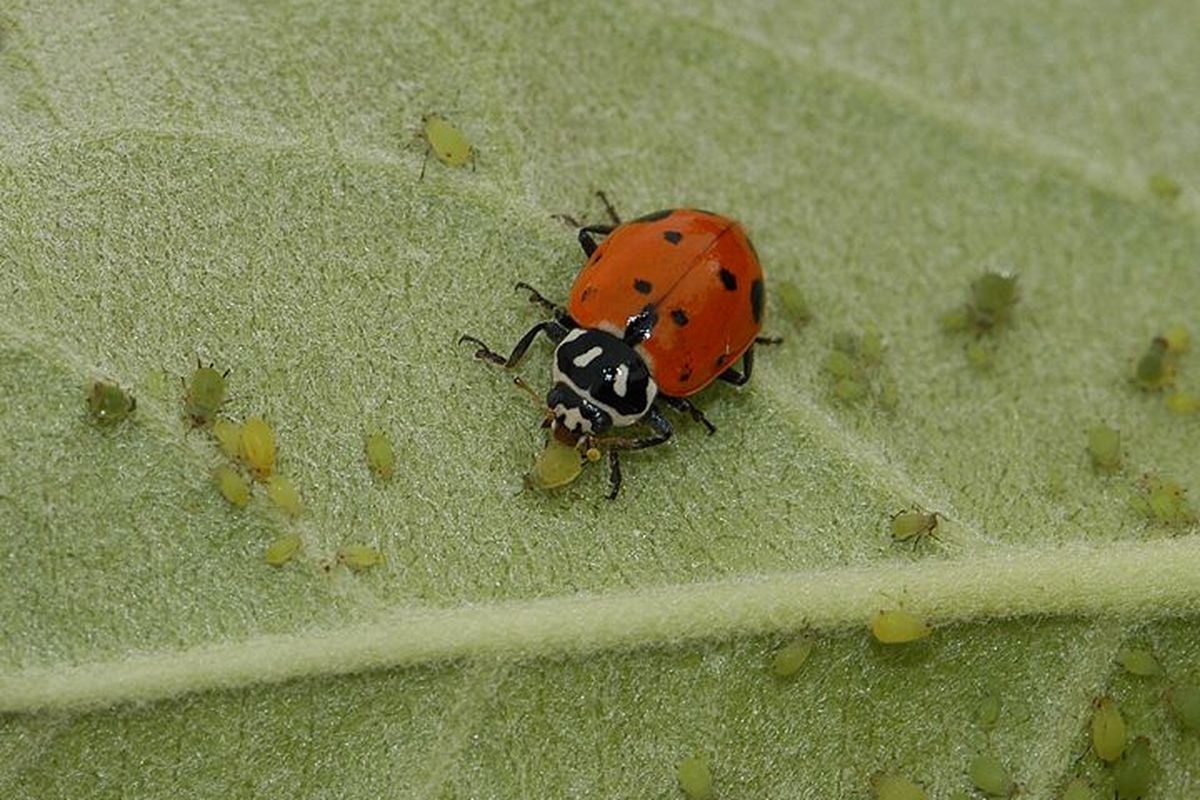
<point x="520" y="383"/>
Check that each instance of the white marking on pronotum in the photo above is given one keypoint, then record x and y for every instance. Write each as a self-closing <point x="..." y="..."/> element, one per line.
<point x="572" y="419"/>
<point x="620" y="383"/>
<point x="587" y="357"/>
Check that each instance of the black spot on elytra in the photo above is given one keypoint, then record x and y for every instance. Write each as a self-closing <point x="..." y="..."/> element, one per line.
<point x="637" y="330"/>
<point x="680" y="317"/>
<point x="728" y="279"/>
<point x="655" y="216"/>
<point x="756" y="299"/>
<point x="674" y="237"/>
<point x="642" y="287"/>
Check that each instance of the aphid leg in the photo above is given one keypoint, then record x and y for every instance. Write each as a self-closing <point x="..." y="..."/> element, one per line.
<point x="768" y="340"/>
<point x="585" y="237"/>
<point x="552" y="328"/>
<point x="559" y="312"/>
<point x="740" y="378"/>
<point x="608" y="207"/>
<point x="685" y="406"/>
<point x="424" y="162"/>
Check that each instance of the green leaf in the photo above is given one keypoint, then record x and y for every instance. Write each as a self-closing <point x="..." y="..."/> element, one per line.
<point x="241" y="183"/>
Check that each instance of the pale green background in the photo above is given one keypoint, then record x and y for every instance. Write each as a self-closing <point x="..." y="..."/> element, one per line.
<point x="239" y="181"/>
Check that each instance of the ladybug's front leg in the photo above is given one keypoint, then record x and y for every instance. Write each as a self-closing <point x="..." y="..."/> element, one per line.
<point x="559" y="312"/>
<point x="662" y="432"/>
<point x="553" y="329"/>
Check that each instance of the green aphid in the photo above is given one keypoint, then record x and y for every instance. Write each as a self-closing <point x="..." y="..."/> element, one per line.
<point x="1184" y="701"/>
<point x="914" y="525"/>
<point x="258" y="447"/>
<point x="109" y="403"/>
<point x="956" y="320"/>
<point x="695" y="779"/>
<point x="205" y="394"/>
<point x="992" y="298"/>
<point x="1182" y="403"/>
<point x="358" y="557"/>
<point x="1156" y="368"/>
<point x="987" y="711"/>
<point x="1104" y="447"/>
<point x="1164" y="187"/>
<point x="1176" y="339"/>
<point x="979" y="355"/>
<point x="898" y="626"/>
<point x="1136" y="770"/>
<point x="448" y="143"/>
<point x="840" y="365"/>
<point x="1163" y="502"/>
<point x="889" y="786"/>
<point x="849" y="390"/>
<point x="557" y="465"/>
<point x="229" y="437"/>
<point x="284" y="495"/>
<point x="283" y="549"/>
<point x="1108" y="730"/>
<point x="381" y="458"/>
<point x="791" y="657"/>
<point x="793" y="303"/>
<point x="232" y="485"/>
<point x="989" y="776"/>
<point x="1138" y="662"/>
<point x="1078" y="789"/>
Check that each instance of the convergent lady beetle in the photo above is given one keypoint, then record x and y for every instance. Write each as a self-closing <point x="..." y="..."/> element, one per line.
<point x="665" y="305"/>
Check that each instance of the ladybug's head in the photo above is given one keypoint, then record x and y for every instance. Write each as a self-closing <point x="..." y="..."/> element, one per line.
<point x="600" y="382"/>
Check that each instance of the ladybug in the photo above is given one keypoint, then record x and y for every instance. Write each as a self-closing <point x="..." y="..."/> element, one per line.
<point x="666" y="304"/>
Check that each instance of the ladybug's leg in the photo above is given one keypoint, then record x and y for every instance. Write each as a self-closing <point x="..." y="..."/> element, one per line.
<point x="662" y="432"/>
<point x="553" y="329"/>
<point x="685" y="406"/>
<point x="585" y="237"/>
<point x="559" y="312"/>
<point x="612" y="212"/>
<point x="740" y="378"/>
<point x="614" y="474"/>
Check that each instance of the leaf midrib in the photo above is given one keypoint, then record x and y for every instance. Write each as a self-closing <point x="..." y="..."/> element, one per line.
<point x="1136" y="581"/>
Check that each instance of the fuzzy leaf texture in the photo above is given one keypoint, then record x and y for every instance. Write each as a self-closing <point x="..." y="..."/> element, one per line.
<point x="240" y="182"/>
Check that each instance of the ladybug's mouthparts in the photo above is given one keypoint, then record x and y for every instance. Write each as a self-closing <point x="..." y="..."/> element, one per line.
<point x="562" y="433"/>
